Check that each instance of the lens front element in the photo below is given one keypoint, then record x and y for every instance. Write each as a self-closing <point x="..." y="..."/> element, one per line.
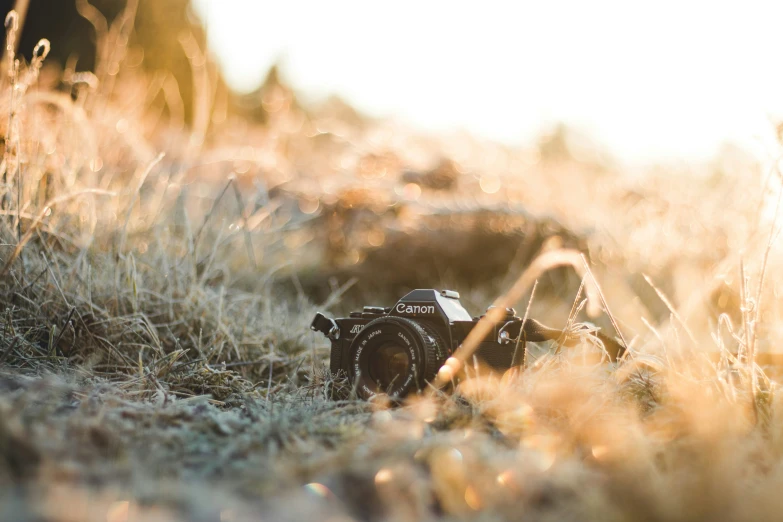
<point x="388" y="364"/>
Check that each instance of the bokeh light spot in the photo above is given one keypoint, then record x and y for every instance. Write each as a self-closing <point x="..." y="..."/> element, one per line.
<point x="383" y="476"/>
<point x="376" y="238"/>
<point x="489" y="183"/>
<point x="411" y="191"/>
<point x="318" y="490"/>
<point x="472" y="498"/>
<point x="308" y="205"/>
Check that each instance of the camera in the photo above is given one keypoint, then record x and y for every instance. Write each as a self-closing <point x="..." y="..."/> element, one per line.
<point x="397" y="350"/>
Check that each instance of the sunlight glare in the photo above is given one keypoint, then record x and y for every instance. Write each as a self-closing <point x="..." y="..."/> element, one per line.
<point x="650" y="81"/>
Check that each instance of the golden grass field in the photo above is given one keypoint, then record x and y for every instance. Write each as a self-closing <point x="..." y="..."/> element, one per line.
<point x="157" y="280"/>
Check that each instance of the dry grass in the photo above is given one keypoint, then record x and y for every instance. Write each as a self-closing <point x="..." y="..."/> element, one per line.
<point x="156" y="286"/>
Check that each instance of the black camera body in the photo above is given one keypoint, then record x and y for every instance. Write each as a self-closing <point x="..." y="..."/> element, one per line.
<point x="397" y="350"/>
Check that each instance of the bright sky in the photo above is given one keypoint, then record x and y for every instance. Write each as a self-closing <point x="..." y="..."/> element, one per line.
<point x="650" y="80"/>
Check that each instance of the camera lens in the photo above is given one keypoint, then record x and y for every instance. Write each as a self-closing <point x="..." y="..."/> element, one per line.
<point x="395" y="355"/>
<point x="388" y="364"/>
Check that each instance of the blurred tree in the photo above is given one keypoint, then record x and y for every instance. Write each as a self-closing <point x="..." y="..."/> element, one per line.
<point x="158" y="27"/>
<point x="563" y="144"/>
<point x="272" y="96"/>
<point x="553" y="145"/>
<point x="61" y="24"/>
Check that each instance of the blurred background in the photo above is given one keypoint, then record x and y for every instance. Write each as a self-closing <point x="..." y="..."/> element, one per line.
<point x="673" y="82"/>
<point x="387" y="147"/>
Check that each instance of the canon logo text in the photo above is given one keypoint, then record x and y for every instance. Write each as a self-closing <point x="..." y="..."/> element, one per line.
<point x="403" y="308"/>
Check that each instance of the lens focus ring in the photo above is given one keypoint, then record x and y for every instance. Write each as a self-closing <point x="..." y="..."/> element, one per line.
<point x="435" y="349"/>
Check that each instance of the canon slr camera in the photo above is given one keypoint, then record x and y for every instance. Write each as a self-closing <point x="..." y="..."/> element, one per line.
<point x="397" y="350"/>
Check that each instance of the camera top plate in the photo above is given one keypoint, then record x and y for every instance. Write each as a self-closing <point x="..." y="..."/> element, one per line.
<point x="431" y="304"/>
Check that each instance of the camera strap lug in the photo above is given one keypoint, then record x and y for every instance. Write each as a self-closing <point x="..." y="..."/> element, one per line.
<point x="326" y="326"/>
<point x="504" y="337"/>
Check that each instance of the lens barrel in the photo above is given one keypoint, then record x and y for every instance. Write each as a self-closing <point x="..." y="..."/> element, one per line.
<point x="395" y="356"/>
